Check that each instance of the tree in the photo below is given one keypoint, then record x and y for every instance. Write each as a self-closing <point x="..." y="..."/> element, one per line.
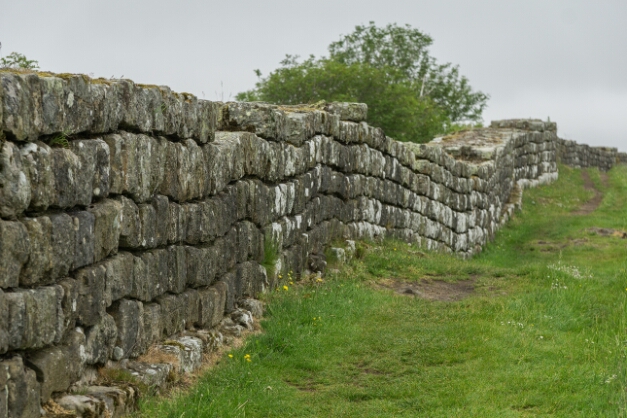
<point x="17" y="60"/>
<point x="408" y="94"/>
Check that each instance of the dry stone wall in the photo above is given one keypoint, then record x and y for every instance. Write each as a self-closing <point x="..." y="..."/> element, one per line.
<point x="130" y="213"/>
<point x="582" y="155"/>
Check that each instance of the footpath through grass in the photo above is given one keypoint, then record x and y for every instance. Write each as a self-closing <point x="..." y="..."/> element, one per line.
<point x="542" y="334"/>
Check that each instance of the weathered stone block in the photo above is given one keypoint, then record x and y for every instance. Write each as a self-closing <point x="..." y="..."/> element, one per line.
<point x="118" y="401"/>
<point x="355" y="112"/>
<point x="92" y="302"/>
<point x="130" y="225"/>
<point x="69" y="179"/>
<point x="52" y="249"/>
<point x="262" y="119"/>
<point x="35" y="317"/>
<point x="37" y="164"/>
<point x="22" y="107"/>
<point x="128" y="316"/>
<point x="176" y="224"/>
<point x="150" y="275"/>
<point x="173" y="312"/>
<point x="21" y="389"/>
<point x="187" y="172"/>
<point x="100" y="340"/>
<point x="137" y="164"/>
<point x="192" y="303"/>
<point x="15" y="187"/>
<point x="153" y="325"/>
<point x="56" y="368"/>
<point x="83" y="406"/>
<point x="94" y="157"/>
<point x="4" y="321"/>
<point x="83" y="238"/>
<point x="177" y="268"/>
<point x="107" y="216"/>
<point x="14" y="252"/>
<point x="118" y="277"/>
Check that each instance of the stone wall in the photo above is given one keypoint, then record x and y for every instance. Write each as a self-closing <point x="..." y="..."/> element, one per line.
<point x="130" y="213"/>
<point x="582" y="155"/>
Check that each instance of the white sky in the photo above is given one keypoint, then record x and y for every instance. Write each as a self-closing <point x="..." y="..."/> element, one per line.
<point x="563" y="59"/>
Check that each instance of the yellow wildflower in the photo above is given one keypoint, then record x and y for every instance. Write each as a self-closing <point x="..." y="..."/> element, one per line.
<point x="285" y="288"/>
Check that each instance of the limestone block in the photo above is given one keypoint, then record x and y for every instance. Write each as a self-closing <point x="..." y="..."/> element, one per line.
<point x="150" y="275"/>
<point x="355" y="112"/>
<point x="118" y="277"/>
<point x="202" y="265"/>
<point x="187" y="171"/>
<point x="192" y="304"/>
<point x="176" y="226"/>
<point x="80" y="105"/>
<point x="107" y="214"/>
<point x="153" y="375"/>
<point x="35" y="317"/>
<point x="207" y="120"/>
<point x="138" y="164"/>
<point x="69" y="302"/>
<point x="243" y="317"/>
<point x="229" y="281"/>
<point x="94" y="157"/>
<point x="52" y="249"/>
<point x="299" y="127"/>
<point x="69" y="179"/>
<point x="15" y="186"/>
<point x="118" y="401"/>
<point x="100" y="340"/>
<point x="188" y="352"/>
<point x="22" y="114"/>
<point x="128" y="315"/>
<point x="21" y="389"/>
<point x="173" y="312"/>
<point x="83" y="406"/>
<point x="162" y="211"/>
<point x="211" y="305"/>
<point x="14" y="252"/>
<point x="92" y="301"/>
<point x="177" y="268"/>
<point x="4" y="320"/>
<point x="153" y="325"/>
<point x="261" y="119"/>
<point x="56" y="368"/>
<point x="130" y="225"/>
<point x="254" y="306"/>
<point x="83" y="227"/>
<point x="148" y="226"/>
<point x="37" y="164"/>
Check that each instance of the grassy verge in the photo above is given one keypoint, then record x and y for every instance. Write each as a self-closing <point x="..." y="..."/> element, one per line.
<point x="543" y="333"/>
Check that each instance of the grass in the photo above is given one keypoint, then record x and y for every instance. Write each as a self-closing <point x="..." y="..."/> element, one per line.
<point x="543" y="334"/>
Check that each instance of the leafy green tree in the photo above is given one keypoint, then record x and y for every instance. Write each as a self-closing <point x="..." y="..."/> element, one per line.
<point x="393" y="104"/>
<point x="17" y="60"/>
<point x="408" y="94"/>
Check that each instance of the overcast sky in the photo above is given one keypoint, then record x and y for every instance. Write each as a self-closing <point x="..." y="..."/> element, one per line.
<point x="563" y="59"/>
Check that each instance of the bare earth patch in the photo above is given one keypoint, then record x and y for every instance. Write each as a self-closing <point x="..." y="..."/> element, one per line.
<point x="591" y="205"/>
<point x="607" y="232"/>
<point x="432" y="289"/>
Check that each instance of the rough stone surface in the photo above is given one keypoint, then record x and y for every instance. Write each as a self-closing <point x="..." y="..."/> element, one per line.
<point x="14" y="252"/>
<point x="197" y="212"/>
<point x="254" y="306"/>
<point x="22" y="389"/>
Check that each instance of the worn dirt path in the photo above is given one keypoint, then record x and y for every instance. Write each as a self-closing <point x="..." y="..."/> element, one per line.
<point x="591" y="205"/>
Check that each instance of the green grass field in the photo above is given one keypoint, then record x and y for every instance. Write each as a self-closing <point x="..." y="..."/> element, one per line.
<point x="543" y="333"/>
